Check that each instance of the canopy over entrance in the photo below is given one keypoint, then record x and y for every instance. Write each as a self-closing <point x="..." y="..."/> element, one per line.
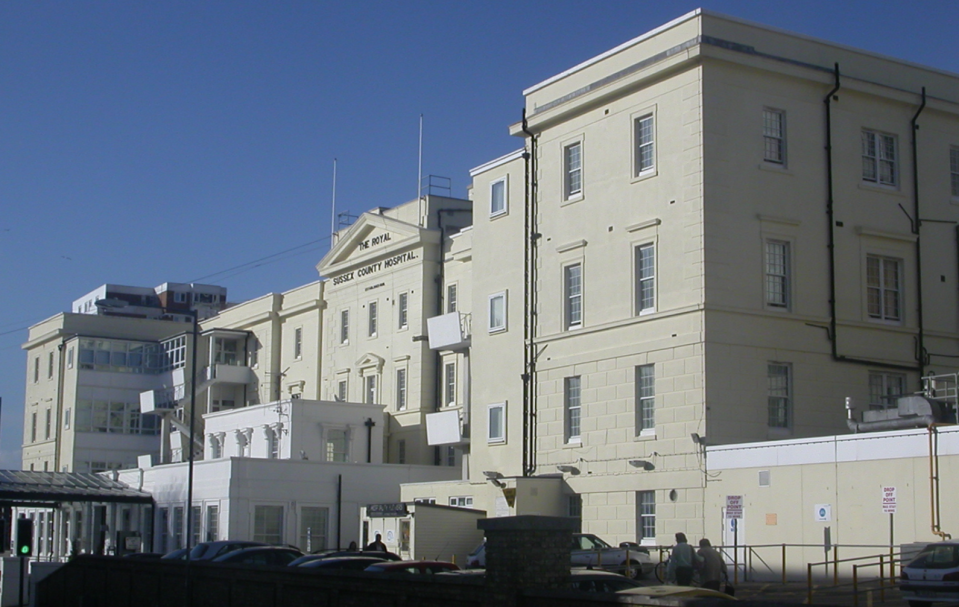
<point x="26" y="489"/>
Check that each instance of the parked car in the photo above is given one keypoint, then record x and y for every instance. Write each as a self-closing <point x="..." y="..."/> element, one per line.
<point x="177" y="555"/>
<point x="588" y="550"/>
<point x="584" y="580"/>
<point x="326" y="554"/>
<point x="415" y="567"/>
<point x="349" y="563"/>
<point x="932" y="576"/>
<point x="143" y="555"/>
<point x="675" y="595"/>
<point x="207" y="551"/>
<point x="260" y="555"/>
<point x="597" y="580"/>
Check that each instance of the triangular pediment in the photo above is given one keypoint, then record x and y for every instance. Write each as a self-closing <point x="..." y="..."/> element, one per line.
<point x="371" y="237"/>
<point x="370" y="360"/>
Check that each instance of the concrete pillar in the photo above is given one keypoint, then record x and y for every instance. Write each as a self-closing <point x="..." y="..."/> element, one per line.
<point x="525" y="552"/>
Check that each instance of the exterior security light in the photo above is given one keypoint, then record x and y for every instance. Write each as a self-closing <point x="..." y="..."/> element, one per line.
<point x="568" y="469"/>
<point x="642" y="463"/>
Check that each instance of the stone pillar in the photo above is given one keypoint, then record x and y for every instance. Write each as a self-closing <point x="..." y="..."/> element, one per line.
<point x="525" y="552"/>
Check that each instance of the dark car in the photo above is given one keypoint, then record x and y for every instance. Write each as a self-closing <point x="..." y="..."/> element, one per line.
<point x="177" y="555"/>
<point x="261" y="555"/>
<point x="328" y="554"/>
<point x="207" y="551"/>
<point x="583" y="580"/>
<point x="349" y="563"/>
<point x="597" y="580"/>
<point x="933" y="576"/>
<point x="415" y="567"/>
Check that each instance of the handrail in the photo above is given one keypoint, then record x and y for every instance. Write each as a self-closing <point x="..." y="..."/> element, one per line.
<point x="855" y="574"/>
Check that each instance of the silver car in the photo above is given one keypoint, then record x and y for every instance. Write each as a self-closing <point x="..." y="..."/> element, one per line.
<point x="933" y="576"/>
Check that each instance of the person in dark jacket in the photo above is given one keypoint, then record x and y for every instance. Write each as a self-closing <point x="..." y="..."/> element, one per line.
<point x="682" y="561"/>
<point x="377" y="544"/>
<point x="713" y="573"/>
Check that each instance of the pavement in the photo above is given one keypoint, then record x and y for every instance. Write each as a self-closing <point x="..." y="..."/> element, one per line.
<point x="823" y="594"/>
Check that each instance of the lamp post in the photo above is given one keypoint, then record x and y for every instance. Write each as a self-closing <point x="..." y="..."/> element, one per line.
<point x="190" y="455"/>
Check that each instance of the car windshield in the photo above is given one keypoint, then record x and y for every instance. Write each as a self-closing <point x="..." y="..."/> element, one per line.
<point x="589" y="542"/>
<point x="937" y="556"/>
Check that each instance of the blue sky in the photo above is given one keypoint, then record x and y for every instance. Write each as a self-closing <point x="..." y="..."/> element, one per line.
<point x="147" y="142"/>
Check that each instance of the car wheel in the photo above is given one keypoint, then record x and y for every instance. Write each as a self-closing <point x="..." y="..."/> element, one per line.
<point x="636" y="569"/>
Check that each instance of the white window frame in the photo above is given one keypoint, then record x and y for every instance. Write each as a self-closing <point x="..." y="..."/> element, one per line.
<point x="449" y="383"/>
<point x="403" y="311"/>
<point x="644" y="139"/>
<point x="342" y="389"/>
<point x="880" y="150"/>
<point x="372" y="318"/>
<point x="263" y="529"/>
<point x="497" y="324"/>
<point x="451" y="297"/>
<point x="503" y="209"/>
<point x="370" y="387"/>
<point x="330" y="453"/>
<point x="645" y="382"/>
<point x="573" y="170"/>
<point x="314" y="537"/>
<point x="774" y="136"/>
<point x="779" y="382"/>
<point x="646" y="517"/>
<point x="878" y="290"/>
<point x="298" y="343"/>
<point x="345" y="326"/>
<point x="573" y="295"/>
<point x="401" y="389"/>
<point x="573" y="408"/>
<point x="645" y="278"/>
<point x="497" y="412"/>
<point x="885" y="389"/>
<point x="777" y="273"/>
<point x="461" y="501"/>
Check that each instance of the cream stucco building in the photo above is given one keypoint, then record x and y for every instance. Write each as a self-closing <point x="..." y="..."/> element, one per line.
<point x="713" y="234"/>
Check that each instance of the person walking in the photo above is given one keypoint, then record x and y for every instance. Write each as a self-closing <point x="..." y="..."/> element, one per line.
<point x="682" y="561"/>
<point x="713" y="573"/>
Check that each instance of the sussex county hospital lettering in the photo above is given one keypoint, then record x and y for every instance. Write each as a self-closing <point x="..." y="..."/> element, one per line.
<point x="373" y="268"/>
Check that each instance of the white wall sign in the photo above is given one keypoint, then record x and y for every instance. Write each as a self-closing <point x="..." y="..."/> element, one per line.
<point x="889" y="500"/>
<point x="823" y="512"/>
<point x="734" y="506"/>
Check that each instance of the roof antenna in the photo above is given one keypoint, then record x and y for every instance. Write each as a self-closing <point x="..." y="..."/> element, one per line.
<point x="333" y="217"/>
<point x="419" y="169"/>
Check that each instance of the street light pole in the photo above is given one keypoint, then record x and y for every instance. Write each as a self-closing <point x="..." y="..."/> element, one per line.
<point x="190" y="459"/>
<point x="190" y="456"/>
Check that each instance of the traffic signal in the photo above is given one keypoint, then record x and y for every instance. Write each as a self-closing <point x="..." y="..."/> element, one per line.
<point x="24" y="537"/>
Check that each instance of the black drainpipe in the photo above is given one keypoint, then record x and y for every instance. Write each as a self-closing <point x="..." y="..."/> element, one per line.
<point x="922" y="356"/>
<point x="830" y="214"/>
<point x="369" y="423"/>
<point x="529" y="306"/>
<point x="339" y="510"/>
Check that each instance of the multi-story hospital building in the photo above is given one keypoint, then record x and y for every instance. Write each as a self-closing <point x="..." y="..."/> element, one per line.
<point x="717" y="237"/>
